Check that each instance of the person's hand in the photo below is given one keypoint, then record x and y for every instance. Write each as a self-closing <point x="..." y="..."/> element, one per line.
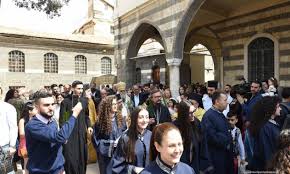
<point x="77" y="109"/>
<point x="243" y="162"/>
<point x="90" y="130"/>
<point x="138" y="169"/>
<point x="12" y="150"/>
<point x="151" y="120"/>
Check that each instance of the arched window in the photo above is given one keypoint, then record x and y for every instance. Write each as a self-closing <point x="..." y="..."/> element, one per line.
<point x="80" y="64"/>
<point x="260" y="59"/>
<point x="106" y="65"/>
<point x="16" y="61"/>
<point x="50" y="63"/>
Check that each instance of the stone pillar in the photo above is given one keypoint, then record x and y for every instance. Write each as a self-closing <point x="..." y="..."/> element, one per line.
<point x="174" y="82"/>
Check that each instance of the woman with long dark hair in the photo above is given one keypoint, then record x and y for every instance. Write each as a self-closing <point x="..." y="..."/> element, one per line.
<point x="11" y="93"/>
<point x="166" y="148"/>
<point x="181" y="91"/>
<point x="132" y="153"/>
<point x="265" y="131"/>
<point x="28" y="112"/>
<point x="195" y="151"/>
<point x="281" y="160"/>
<point x="107" y="132"/>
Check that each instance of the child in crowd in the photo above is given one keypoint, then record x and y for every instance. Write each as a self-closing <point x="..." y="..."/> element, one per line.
<point x="273" y="85"/>
<point x="171" y="107"/>
<point x="238" y="148"/>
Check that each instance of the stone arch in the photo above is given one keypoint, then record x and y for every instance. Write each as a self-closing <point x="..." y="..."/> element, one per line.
<point x="143" y="31"/>
<point x="276" y="53"/>
<point x="141" y="34"/>
<point x="211" y="43"/>
<point x="182" y="27"/>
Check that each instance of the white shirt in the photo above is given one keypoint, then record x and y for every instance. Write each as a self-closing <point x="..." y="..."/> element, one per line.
<point x="8" y="124"/>
<point x="124" y="111"/>
<point x="207" y="104"/>
<point x="42" y="119"/>
<point x="56" y="113"/>
<point x="240" y="142"/>
<point x="136" y="100"/>
<point x="229" y="101"/>
<point x="178" y="99"/>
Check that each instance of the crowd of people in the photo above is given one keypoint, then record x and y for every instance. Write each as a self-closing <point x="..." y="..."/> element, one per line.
<point x="144" y="129"/>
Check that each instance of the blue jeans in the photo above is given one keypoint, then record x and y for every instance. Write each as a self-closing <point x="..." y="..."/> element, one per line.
<point x="6" y="166"/>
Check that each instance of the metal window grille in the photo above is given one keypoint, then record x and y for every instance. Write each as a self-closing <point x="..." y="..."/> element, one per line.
<point x="261" y="59"/>
<point x="106" y="65"/>
<point x="80" y="64"/>
<point x="16" y="61"/>
<point x="50" y="63"/>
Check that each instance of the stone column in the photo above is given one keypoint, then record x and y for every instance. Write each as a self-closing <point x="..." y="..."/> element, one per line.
<point x="174" y="82"/>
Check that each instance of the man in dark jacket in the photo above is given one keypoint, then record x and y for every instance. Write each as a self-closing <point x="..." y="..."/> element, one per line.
<point x="75" y="150"/>
<point x="218" y="135"/>
<point x="285" y="109"/>
<point x="248" y="104"/>
<point x="158" y="113"/>
<point x="137" y="97"/>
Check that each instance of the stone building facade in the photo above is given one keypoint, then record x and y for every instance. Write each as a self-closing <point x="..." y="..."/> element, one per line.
<point x="35" y="60"/>
<point x="245" y="38"/>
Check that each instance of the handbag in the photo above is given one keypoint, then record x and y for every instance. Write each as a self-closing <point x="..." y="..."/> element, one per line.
<point x="5" y="160"/>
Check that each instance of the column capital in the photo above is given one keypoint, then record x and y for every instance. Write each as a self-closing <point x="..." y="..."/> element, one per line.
<point x="173" y="61"/>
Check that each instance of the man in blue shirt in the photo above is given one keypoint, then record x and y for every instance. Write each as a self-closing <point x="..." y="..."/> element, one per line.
<point x="44" y="140"/>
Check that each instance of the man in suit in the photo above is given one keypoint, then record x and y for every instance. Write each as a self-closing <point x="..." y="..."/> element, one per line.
<point x="137" y="97"/>
<point x="218" y="135"/>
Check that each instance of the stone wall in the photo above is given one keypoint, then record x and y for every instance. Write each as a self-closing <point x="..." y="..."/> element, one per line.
<point x="237" y="32"/>
<point x="232" y="34"/>
<point x="162" y="15"/>
<point x="34" y="76"/>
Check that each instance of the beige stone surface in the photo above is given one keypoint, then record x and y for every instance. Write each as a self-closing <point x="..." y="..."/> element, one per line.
<point x="34" y="49"/>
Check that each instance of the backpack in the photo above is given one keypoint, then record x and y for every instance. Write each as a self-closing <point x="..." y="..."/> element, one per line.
<point x="286" y="124"/>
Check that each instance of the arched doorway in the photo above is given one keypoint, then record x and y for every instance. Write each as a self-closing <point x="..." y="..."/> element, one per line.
<point x="201" y="57"/>
<point x="197" y="66"/>
<point x="231" y="24"/>
<point x="145" y="50"/>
